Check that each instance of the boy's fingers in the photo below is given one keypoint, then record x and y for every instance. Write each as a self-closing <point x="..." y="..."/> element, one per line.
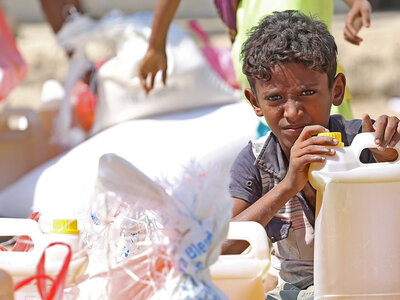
<point x="395" y="139"/>
<point x="380" y="128"/>
<point x="367" y="124"/>
<point x="318" y="149"/>
<point x="390" y="131"/>
<point x="312" y="130"/>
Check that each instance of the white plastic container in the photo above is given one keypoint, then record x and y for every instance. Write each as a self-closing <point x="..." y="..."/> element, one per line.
<point x="357" y="244"/>
<point x="6" y="286"/>
<point x="21" y="265"/>
<point x="239" y="276"/>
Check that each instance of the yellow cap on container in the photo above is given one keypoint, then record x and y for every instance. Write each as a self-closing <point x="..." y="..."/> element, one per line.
<point x="65" y="226"/>
<point x="335" y="135"/>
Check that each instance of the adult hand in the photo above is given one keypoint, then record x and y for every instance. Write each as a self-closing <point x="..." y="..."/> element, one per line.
<point x="153" y="62"/>
<point x="387" y="134"/>
<point x="308" y="149"/>
<point x="358" y="16"/>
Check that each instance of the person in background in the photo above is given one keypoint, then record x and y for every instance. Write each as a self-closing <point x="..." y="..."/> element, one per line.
<point x="290" y="62"/>
<point x="57" y="11"/>
<point x="240" y="16"/>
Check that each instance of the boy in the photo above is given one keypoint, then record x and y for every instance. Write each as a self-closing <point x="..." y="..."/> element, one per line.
<point x="290" y="62"/>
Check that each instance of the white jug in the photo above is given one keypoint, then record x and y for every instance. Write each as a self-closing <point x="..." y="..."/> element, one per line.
<point x="357" y="244"/>
<point x="239" y="276"/>
<point x="21" y="265"/>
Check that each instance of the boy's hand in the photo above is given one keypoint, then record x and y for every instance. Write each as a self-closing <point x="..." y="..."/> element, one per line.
<point x="307" y="149"/>
<point x="387" y="134"/>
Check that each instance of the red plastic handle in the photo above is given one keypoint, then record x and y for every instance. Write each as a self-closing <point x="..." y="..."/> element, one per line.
<point x="57" y="287"/>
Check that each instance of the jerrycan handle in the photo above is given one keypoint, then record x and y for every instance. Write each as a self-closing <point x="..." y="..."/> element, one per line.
<point x="253" y="233"/>
<point x="17" y="227"/>
<point x="367" y="140"/>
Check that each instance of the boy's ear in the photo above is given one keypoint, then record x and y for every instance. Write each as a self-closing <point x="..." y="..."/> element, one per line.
<point x="253" y="101"/>
<point x="338" y="88"/>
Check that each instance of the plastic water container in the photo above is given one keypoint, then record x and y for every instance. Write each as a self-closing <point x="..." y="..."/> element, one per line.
<point x="21" y="265"/>
<point x="357" y="244"/>
<point x="6" y="286"/>
<point x="239" y="276"/>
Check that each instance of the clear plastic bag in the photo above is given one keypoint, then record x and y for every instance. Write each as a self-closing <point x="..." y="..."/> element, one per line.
<point x="151" y="240"/>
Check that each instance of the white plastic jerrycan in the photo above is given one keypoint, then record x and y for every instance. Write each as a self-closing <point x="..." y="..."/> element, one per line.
<point x="239" y="276"/>
<point x="21" y="265"/>
<point x="357" y="240"/>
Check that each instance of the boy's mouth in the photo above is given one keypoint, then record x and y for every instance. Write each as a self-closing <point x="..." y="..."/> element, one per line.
<point x="294" y="130"/>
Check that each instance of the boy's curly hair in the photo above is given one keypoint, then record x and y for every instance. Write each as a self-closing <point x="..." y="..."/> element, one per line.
<point x="288" y="36"/>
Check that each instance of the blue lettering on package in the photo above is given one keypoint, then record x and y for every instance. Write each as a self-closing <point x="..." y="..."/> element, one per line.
<point x="182" y="264"/>
<point x="193" y="251"/>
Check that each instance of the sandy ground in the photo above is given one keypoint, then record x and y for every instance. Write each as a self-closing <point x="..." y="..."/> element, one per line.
<point x="372" y="69"/>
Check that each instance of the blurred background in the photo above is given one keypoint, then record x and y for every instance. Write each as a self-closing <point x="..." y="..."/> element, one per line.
<point x="372" y="69"/>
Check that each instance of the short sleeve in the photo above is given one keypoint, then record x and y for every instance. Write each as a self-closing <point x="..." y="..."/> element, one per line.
<point x="245" y="181"/>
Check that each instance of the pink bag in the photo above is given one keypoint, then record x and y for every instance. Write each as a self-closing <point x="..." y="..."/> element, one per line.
<point x="218" y="58"/>
<point x="12" y="66"/>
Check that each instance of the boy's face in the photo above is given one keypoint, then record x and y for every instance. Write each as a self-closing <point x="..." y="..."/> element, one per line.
<point x="293" y="98"/>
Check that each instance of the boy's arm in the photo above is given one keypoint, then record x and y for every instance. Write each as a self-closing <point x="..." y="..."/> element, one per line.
<point x="155" y="58"/>
<point x="262" y="211"/>
<point x="307" y="149"/>
<point x="387" y="135"/>
<point x="358" y="16"/>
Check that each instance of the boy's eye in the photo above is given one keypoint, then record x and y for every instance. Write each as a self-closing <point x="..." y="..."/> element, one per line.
<point x="307" y="93"/>
<point x="273" y="98"/>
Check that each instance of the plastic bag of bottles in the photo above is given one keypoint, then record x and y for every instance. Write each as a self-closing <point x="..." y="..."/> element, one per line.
<point x="154" y="240"/>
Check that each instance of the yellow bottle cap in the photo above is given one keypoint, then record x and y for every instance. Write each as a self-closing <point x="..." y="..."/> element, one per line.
<point x="65" y="226"/>
<point x="335" y="135"/>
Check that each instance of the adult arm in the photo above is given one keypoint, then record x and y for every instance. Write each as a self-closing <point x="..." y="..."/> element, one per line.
<point x="57" y="11"/>
<point x="358" y="16"/>
<point x="155" y="59"/>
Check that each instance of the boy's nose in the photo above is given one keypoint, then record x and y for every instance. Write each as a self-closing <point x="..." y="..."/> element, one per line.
<point x="292" y="110"/>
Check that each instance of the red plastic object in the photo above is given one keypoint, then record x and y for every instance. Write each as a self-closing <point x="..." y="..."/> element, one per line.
<point x="55" y="291"/>
<point x="24" y="243"/>
<point x="12" y="66"/>
<point x="85" y="104"/>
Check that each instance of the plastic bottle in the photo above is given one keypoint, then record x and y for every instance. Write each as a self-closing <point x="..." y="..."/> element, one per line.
<point x="330" y="166"/>
<point x="21" y="265"/>
<point x="6" y="286"/>
<point x="240" y="276"/>
<point x="356" y="246"/>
